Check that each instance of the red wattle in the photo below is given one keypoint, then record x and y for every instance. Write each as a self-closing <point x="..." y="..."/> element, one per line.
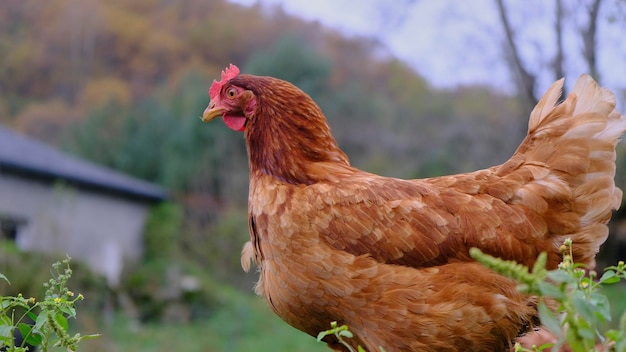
<point x="237" y="123"/>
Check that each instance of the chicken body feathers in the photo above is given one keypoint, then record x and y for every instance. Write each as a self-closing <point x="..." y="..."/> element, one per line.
<point x="389" y="257"/>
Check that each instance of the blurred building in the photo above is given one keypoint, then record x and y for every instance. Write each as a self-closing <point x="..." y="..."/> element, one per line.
<point x="57" y="203"/>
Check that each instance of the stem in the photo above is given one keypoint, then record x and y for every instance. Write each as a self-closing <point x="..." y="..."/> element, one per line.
<point x="341" y="341"/>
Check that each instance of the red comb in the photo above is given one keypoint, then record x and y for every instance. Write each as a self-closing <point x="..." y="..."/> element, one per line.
<point x="229" y="73"/>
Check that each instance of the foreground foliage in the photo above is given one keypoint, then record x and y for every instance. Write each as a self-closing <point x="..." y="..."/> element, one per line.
<point x="582" y="310"/>
<point x="44" y="323"/>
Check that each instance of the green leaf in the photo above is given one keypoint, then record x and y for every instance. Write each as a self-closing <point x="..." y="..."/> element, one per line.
<point x="24" y="329"/>
<point x="71" y="311"/>
<point x="29" y="337"/>
<point x="42" y="318"/>
<point x="87" y="337"/>
<point x="548" y="319"/>
<point x="583" y="307"/>
<point x="2" y="277"/>
<point x="609" y="277"/>
<point x="574" y="341"/>
<point x="545" y="346"/>
<point x="549" y="290"/>
<point x="601" y="306"/>
<point x="4" y="320"/>
<point x="5" y="303"/>
<point x="607" y="274"/>
<point x="540" y="264"/>
<point x="587" y="334"/>
<point x="31" y="315"/>
<point x="60" y="318"/>
<point x="346" y="333"/>
<point x="6" y="332"/>
<point x="559" y="276"/>
<point x="612" y="280"/>
<point x="34" y="339"/>
<point x="323" y="334"/>
<point x="614" y="335"/>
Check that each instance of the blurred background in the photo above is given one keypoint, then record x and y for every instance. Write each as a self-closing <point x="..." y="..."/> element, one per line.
<point x="103" y="155"/>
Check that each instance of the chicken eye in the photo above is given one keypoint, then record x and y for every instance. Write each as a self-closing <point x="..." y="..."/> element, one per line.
<point x="231" y="92"/>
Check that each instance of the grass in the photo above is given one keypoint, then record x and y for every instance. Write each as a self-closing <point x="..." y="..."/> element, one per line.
<point x="243" y="323"/>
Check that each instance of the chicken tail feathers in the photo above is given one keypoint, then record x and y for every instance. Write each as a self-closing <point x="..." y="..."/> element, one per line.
<point x="565" y="167"/>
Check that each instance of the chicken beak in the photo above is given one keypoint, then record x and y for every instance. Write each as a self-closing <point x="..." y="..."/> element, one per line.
<point x="211" y="112"/>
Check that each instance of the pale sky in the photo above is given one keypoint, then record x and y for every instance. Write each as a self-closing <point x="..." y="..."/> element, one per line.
<point x="460" y="42"/>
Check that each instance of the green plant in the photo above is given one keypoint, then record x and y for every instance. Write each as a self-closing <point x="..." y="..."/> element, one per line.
<point x="340" y="332"/>
<point x="49" y="317"/>
<point x="582" y="311"/>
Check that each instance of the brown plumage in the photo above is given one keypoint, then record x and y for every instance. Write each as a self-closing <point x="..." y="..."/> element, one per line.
<point x="389" y="257"/>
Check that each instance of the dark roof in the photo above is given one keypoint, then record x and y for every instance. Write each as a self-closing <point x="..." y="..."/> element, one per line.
<point x="28" y="157"/>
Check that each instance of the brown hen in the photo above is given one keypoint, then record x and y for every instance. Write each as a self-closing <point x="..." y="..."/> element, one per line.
<point x="389" y="257"/>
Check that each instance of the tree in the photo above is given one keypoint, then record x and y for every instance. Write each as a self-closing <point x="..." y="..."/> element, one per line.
<point x="526" y="81"/>
<point x="573" y="19"/>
